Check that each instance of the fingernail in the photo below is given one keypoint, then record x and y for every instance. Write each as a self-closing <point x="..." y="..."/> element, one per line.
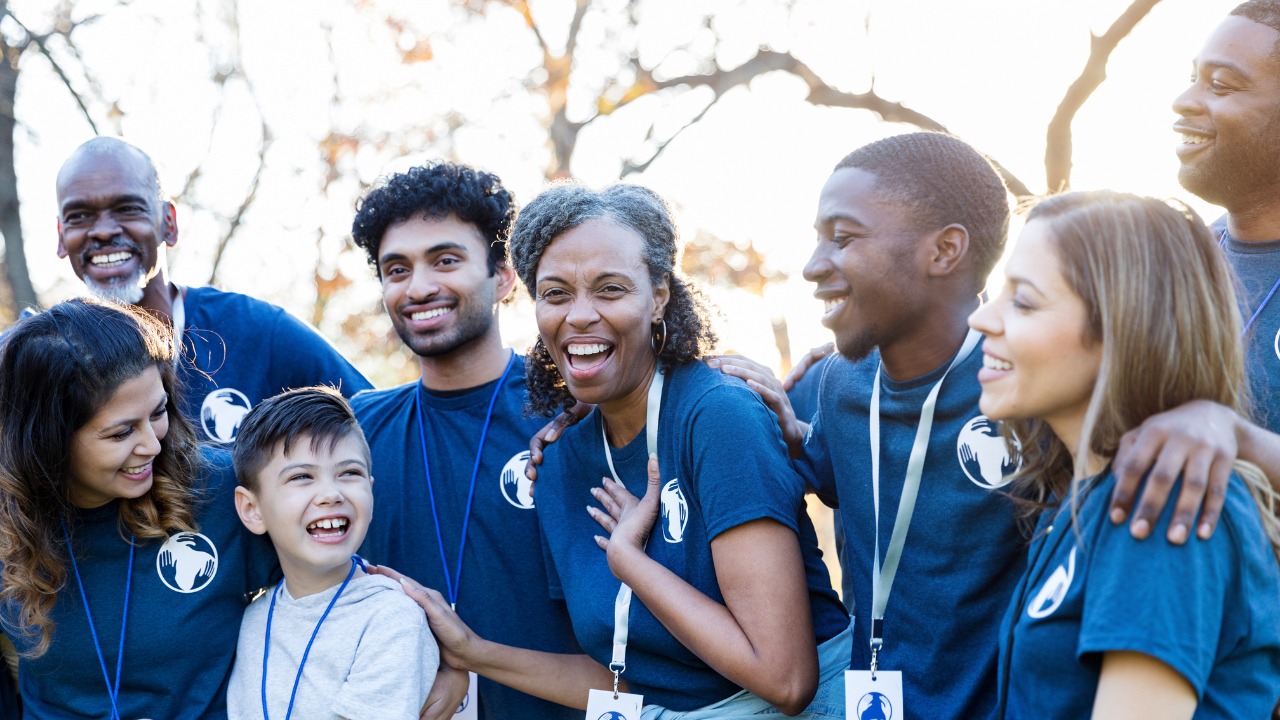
<point x="1205" y="531"/>
<point x="1178" y="534"/>
<point x="1117" y="515"/>
<point x="1141" y="529"/>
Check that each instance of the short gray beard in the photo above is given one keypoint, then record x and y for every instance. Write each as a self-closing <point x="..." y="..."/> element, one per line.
<point x="126" y="290"/>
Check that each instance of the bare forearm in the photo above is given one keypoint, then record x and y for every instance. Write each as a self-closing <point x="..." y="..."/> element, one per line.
<point x="1260" y="447"/>
<point x="778" y="672"/>
<point x="564" y="679"/>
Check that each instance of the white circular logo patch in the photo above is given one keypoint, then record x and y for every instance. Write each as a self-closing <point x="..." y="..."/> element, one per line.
<point x="516" y="488"/>
<point x="1054" y="589"/>
<point x="675" y="512"/>
<point x="187" y="562"/>
<point x="221" y="413"/>
<point x="983" y="453"/>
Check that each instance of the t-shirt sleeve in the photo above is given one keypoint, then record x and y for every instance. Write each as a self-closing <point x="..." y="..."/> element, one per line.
<point x="814" y="465"/>
<point x="302" y="357"/>
<point x="739" y="461"/>
<point x="395" y="664"/>
<point x="1153" y="597"/>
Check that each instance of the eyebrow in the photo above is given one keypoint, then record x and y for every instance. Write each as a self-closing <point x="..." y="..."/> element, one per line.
<point x="1223" y="64"/>
<point x="313" y="466"/>
<point x="1019" y="280"/>
<point x="134" y="421"/>
<point x="80" y="204"/>
<point x="829" y="219"/>
<point x="438" y="247"/>
<point x="598" y="278"/>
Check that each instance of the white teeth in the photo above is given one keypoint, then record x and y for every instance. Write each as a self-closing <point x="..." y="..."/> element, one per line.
<point x="328" y="523"/>
<point x="428" y="314"/>
<point x="994" y="363"/>
<point x="832" y="304"/>
<point x="1192" y="139"/>
<point x="135" y="470"/>
<point x="112" y="259"/>
<point x="588" y="349"/>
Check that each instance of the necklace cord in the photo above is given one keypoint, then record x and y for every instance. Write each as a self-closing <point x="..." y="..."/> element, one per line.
<point x="113" y="691"/>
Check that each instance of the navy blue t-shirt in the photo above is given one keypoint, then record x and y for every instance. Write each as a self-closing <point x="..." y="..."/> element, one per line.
<point x="244" y="351"/>
<point x="723" y="464"/>
<point x="1257" y="265"/>
<point x="963" y="552"/>
<point x="185" y="604"/>
<point x="503" y="594"/>
<point x="1206" y="608"/>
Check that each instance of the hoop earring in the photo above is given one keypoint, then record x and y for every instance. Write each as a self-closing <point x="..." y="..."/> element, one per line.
<point x="660" y="339"/>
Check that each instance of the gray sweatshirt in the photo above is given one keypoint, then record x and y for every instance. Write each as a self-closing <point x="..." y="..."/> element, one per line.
<point x="374" y="656"/>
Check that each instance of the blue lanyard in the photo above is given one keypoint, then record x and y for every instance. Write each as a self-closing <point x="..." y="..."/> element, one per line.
<point x="113" y="691"/>
<point x="452" y="584"/>
<point x="266" y="643"/>
<point x="1222" y="241"/>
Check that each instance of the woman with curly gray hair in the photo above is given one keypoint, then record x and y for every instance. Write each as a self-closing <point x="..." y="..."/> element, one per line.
<point x="735" y="613"/>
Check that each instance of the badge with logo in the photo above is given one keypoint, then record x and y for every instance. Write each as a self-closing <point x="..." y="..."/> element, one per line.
<point x="873" y="696"/>
<point x="221" y="413"/>
<point x="1054" y="590"/>
<point x="516" y="488"/>
<point x="187" y="562"/>
<point x="469" y="709"/>
<point x="984" y="456"/>
<point x="675" y="512"/>
<point x="602" y="705"/>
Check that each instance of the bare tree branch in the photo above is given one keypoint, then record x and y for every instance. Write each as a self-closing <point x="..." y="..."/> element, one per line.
<point x="1057" y="152"/>
<point x="238" y="218"/>
<point x="522" y="7"/>
<point x="628" y="167"/>
<point x="575" y="25"/>
<point x="39" y="41"/>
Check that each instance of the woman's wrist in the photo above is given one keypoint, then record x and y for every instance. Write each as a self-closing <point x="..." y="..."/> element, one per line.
<point x="624" y="559"/>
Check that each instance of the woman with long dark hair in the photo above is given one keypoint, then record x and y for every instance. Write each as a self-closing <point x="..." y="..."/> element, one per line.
<point x="125" y="566"/>
<point x="1116" y="308"/>
<point x="694" y="580"/>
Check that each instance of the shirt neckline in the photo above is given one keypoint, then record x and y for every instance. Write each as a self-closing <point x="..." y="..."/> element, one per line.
<point x="1240" y="247"/>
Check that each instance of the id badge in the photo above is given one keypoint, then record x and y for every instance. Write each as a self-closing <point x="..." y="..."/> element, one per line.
<point x="469" y="709"/>
<point x="867" y="699"/>
<point x="602" y="706"/>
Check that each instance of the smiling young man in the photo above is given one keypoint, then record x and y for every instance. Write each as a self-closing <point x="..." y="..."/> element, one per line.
<point x="114" y="225"/>
<point x="454" y="509"/>
<point x="1229" y="127"/>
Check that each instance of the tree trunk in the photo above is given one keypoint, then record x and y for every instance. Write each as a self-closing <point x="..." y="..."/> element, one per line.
<point x="24" y="295"/>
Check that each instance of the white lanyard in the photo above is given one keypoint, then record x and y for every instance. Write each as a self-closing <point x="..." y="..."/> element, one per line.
<point x="882" y="578"/>
<point x="179" y="322"/>
<point x="622" y="605"/>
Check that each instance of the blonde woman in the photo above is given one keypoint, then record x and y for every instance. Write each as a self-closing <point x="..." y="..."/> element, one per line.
<point x="1116" y="308"/>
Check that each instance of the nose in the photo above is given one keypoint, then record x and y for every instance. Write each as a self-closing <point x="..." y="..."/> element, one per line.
<point x="1190" y="102"/>
<point x="986" y="320"/>
<point x="105" y="228"/>
<point x="148" y="442"/>
<point x="582" y="313"/>
<point x="328" y="493"/>
<point x="819" y="265"/>
<point x="423" y="285"/>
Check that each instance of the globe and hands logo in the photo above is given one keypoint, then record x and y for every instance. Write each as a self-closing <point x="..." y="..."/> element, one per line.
<point x="612" y="715"/>
<point x="516" y="488"/>
<point x="221" y="413"/>
<point x="187" y="562"/>
<point x="875" y="706"/>
<point x="983" y="454"/>
<point x="675" y="512"/>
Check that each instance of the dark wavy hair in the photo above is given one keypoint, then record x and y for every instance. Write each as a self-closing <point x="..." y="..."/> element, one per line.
<point x="437" y="190"/>
<point x="57" y="370"/>
<point x="565" y="206"/>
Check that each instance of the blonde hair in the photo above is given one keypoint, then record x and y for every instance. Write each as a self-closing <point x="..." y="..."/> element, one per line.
<point x="1160" y="297"/>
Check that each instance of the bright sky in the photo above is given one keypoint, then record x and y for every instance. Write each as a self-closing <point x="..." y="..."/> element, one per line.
<point x="993" y="71"/>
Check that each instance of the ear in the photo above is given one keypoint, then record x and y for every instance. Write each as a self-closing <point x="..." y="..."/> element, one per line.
<point x="661" y="296"/>
<point x="505" y="276"/>
<point x="249" y="511"/>
<point x="947" y="249"/>
<point x="169" y="225"/>
<point x="62" y="245"/>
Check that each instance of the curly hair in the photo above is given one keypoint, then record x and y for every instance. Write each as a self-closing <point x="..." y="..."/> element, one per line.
<point x="689" y="335"/>
<point x="437" y="190"/>
<point x="57" y="370"/>
<point x="942" y="180"/>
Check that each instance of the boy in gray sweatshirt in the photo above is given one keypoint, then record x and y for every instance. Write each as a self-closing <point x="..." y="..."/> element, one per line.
<point x="332" y="641"/>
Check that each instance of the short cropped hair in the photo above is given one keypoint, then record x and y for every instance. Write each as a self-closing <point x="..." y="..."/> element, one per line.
<point x="941" y="180"/>
<point x="437" y="190"/>
<point x="1263" y="12"/>
<point x="318" y="412"/>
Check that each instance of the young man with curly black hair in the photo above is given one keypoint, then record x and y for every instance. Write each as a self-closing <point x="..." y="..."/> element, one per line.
<point x="453" y="508"/>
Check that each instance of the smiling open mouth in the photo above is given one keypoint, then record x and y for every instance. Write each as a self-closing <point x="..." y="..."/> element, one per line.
<point x="830" y="305"/>
<point x="429" y="314"/>
<point x="112" y="260"/>
<point x="328" y="528"/>
<point x="582" y="356"/>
